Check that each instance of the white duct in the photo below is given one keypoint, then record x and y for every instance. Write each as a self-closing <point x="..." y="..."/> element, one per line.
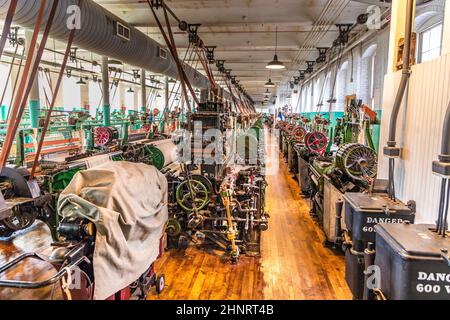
<point x="97" y="35"/>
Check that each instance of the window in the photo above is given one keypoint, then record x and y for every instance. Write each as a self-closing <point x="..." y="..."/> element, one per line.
<point x="4" y="69"/>
<point x="341" y="87"/>
<point x="317" y="92"/>
<point x="95" y="97"/>
<point x="71" y="94"/>
<point x="430" y="43"/>
<point x="129" y="100"/>
<point x="372" y="80"/>
<point x="45" y="92"/>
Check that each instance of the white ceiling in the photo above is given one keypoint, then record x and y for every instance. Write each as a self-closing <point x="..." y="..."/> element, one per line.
<point x="244" y="31"/>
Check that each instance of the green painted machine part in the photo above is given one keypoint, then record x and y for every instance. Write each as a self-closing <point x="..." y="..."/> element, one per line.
<point x="357" y="161"/>
<point x="247" y="147"/>
<point x="156" y="156"/>
<point x="173" y="228"/>
<point x="34" y="113"/>
<point x="199" y="192"/>
<point x="257" y="132"/>
<point x="330" y="140"/>
<point x="58" y="182"/>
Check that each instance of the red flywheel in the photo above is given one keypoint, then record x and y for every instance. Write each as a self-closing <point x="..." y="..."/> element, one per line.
<point x="316" y="142"/>
<point x="103" y="136"/>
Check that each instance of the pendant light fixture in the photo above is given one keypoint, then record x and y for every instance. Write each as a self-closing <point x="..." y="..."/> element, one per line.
<point x="130" y="90"/>
<point x="270" y="84"/>
<point x="81" y="81"/>
<point x="276" y="64"/>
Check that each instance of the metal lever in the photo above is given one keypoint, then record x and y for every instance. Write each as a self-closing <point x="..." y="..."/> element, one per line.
<point x="445" y="256"/>
<point x="338" y="228"/>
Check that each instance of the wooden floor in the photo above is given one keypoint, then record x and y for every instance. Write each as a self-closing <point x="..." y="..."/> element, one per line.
<point x="294" y="264"/>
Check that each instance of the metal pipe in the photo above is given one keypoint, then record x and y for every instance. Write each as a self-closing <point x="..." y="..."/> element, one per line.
<point x="106" y="95"/>
<point x="445" y="147"/>
<point x="406" y="72"/>
<point x="97" y="35"/>
<point x="34" y="100"/>
<point x="143" y="92"/>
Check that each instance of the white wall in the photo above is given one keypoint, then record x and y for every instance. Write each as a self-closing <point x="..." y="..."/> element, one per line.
<point x="353" y="77"/>
<point x="419" y="133"/>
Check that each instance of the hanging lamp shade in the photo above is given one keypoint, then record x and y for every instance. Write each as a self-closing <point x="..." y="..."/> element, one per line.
<point x="276" y="64"/>
<point x="269" y="84"/>
<point x="81" y="81"/>
<point x="130" y="90"/>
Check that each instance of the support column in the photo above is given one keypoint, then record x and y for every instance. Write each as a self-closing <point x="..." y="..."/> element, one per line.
<point x="59" y="102"/>
<point x="136" y="101"/>
<point x="84" y="94"/>
<point x="34" y="100"/>
<point x="166" y="92"/>
<point x="106" y="97"/>
<point x="143" y="92"/>
<point x="122" y="91"/>
<point x="397" y="31"/>
<point x="446" y="36"/>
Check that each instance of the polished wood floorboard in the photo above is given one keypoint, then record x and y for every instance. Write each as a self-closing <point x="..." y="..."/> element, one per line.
<point x="36" y="239"/>
<point x="294" y="264"/>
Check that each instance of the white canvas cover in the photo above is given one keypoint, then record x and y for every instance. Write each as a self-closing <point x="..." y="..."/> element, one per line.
<point x="128" y="204"/>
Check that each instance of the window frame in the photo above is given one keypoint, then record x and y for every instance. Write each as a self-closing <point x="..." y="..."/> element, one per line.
<point x="421" y="37"/>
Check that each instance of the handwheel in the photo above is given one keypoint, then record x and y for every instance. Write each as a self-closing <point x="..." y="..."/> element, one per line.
<point x="160" y="284"/>
<point x="316" y="142"/>
<point x="199" y="192"/>
<point x="146" y="128"/>
<point x="299" y="134"/>
<point x="103" y="136"/>
<point x="289" y="128"/>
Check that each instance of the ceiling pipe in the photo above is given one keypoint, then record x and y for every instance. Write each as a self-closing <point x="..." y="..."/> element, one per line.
<point x="387" y="3"/>
<point x="97" y="35"/>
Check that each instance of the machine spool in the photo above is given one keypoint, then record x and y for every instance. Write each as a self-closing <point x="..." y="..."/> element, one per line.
<point x="162" y="153"/>
<point x="357" y="160"/>
<point x="173" y="228"/>
<point x="316" y="142"/>
<point x="18" y="220"/>
<point x="18" y="178"/>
